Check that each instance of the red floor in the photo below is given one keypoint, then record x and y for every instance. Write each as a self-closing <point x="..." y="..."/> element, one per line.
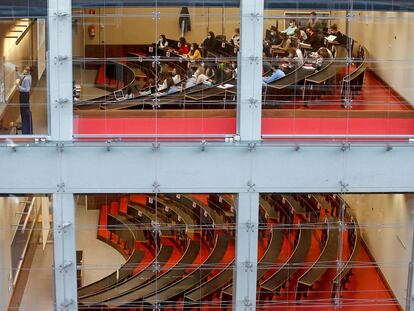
<point x="366" y="290"/>
<point x="375" y="96"/>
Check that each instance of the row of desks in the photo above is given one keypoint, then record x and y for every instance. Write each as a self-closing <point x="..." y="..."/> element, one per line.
<point x="114" y="291"/>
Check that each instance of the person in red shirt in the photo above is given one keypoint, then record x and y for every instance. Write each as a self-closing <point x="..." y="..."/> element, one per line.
<point x="184" y="48"/>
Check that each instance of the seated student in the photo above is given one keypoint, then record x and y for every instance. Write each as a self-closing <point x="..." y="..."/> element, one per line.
<point x="235" y="39"/>
<point x="273" y="36"/>
<point x="162" y="42"/>
<point x="341" y="39"/>
<point x="201" y="76"/>
<point x="171" y="88"/>
<point x="209" y="69"/>
<point x="284" y="44"/>
<point x="175" y="76"/>
<point x="296" y="54"/>
<point x="223" y="73"/>
<point x="277" y="74"/>
<point x="163" y="76"/>
<point x="325" y="57"/>
<point x="300" y="35"/>
<point x="184" y="48"/>
<point x="194" y="52"/>
<point x="315" y="40"/>
<point x="290" y="31"/>
<point x="267" y="66"/>
<point x="197" y="77"/>
<point x="209" y="44"/>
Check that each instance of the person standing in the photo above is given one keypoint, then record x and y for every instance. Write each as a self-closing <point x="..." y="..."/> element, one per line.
<point x="24" y="84"/>
<point x="210" y="44"/>
<point x="315" y="23"/>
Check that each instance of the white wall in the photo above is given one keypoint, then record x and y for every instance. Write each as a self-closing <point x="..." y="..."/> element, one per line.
<point x="8" y="217"/>
<point x="388" y="38"/>
<point x="385" y="227"/>
<point x="13" y="55"/>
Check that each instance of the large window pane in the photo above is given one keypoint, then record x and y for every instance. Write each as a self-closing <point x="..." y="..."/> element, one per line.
<point x="26" y="253"/>
<point x="146" y="251"/>
<point x="23" y="78"/>
<point x="347" y="252"/>
<point x="132" y="84"/>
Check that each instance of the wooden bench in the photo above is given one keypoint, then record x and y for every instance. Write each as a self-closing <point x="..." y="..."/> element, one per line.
<point x="280" y="277"/>
<point x="269" y="210"/>
<point x="191" y="280"/>
<point x="220" y="280"/>
<point x="130" y="235"/>
<point x="135" y="281"/>
<point x="354" y="80"/>
<point x="286" y="86"/>
<point x="170" y="276"/>
<point x="342" y="277"/>
<point x="323" y="76"/>
<point x="136" y="211"/>
<point x="325" y="261"/>
<point x="267" y="261"/>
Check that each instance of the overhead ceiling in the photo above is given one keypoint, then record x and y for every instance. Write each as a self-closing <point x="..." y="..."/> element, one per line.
<point x="37" y="8"/>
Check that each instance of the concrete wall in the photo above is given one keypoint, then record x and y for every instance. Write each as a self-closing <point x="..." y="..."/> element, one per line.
<point x="385" y="227"/>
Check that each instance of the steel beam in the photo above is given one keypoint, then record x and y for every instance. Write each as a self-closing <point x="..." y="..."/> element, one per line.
<point x="219" y="167"/>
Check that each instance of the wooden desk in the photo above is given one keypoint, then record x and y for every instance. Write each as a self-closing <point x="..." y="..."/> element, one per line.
<point x="326" y="260"/>
<point x="330" y="71"/>
<point x="206" y="289"/>
<point x="340" y="279"/>
<point x="269" y="258"/>
<point x="133" y="210"/>
<point x="114" y="278"/>
<point x="270" y="211"/>
<point x="279" y="278"/>
<point x="159" y="282"/>
<point x="137" y="280"/>
<point x="194" y="278"/>
<point x="292" y="78"/>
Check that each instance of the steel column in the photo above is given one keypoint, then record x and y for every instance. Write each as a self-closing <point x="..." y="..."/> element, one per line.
<point x="245" y="273"/>
<point x="60" y="69"/>
<point x="65" y="251"/>
<point x="249" y="81"/>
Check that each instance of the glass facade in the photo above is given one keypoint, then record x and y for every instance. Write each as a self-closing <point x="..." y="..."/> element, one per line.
<point x="206" y="155"/>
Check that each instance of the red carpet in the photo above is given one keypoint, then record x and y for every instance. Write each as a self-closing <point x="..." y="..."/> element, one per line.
<point x="375" y="96"/>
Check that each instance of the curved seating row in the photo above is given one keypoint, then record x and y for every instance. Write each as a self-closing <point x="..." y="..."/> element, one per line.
<point x="160" y="281"/>
<point x="281" y="276"/>
<point x="165" y="284"/>
<point x="325" y="261"/>
<point x="130" y="235"/>
<point x="192" y="279"/>
<point x="147" y="281"/>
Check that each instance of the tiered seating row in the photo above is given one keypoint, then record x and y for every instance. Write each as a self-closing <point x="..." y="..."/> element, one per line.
<point x="169" y="222"/>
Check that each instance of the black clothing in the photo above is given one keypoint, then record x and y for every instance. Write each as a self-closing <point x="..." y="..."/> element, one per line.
<point x="316" y="41"/>
<point x="26" y="114"/>
<point x="185" y="18"/>
<point x="341" y="38"/>
<point x="209" y="45"/>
